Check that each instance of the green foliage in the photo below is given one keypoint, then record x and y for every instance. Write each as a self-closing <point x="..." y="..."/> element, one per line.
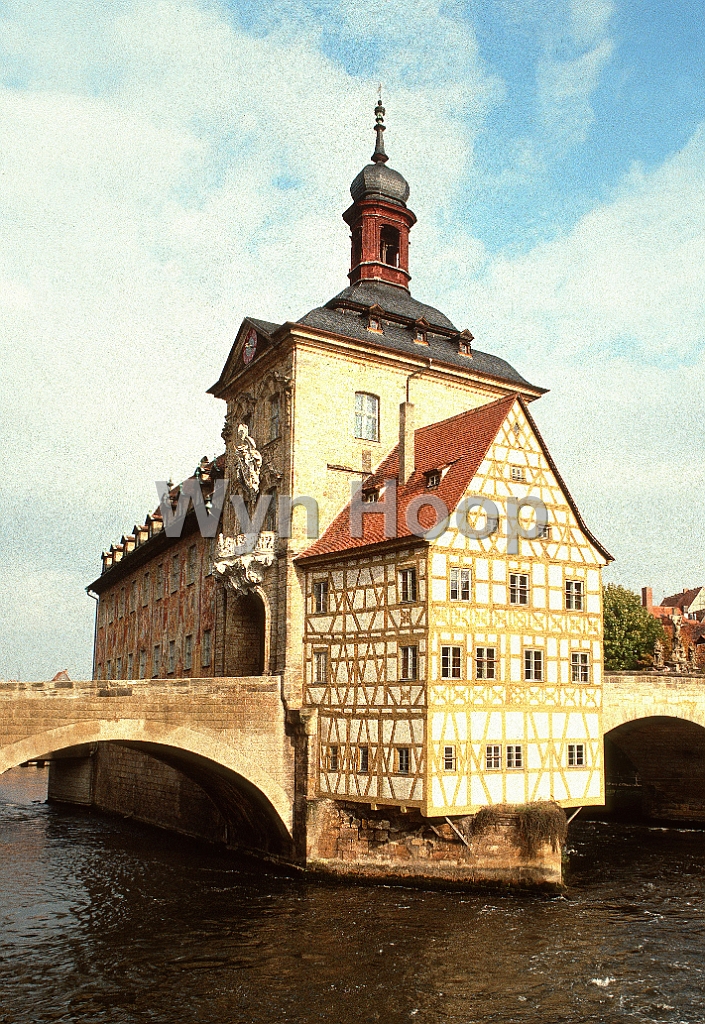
<point x="630" y="630"/>
<point x="536" y="823"/>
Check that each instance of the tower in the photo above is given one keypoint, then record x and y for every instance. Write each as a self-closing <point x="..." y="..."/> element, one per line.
<point x="379" y="219"/>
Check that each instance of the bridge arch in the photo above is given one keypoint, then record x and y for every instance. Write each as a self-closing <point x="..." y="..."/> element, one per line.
<point x="240" y="786"/>
<point x="655" y="762"/>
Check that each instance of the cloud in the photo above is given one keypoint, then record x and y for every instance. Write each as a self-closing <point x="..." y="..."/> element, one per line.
<point x="167" y="170"/>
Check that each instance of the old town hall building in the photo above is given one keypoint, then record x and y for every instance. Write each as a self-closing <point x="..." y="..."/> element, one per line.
<point x="441" y="669"/>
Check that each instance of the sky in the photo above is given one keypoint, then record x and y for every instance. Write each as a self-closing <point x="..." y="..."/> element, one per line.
<point x="171" y="166"/>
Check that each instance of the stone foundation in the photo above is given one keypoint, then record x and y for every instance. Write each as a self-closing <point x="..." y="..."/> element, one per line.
<point x="346" y="838"/>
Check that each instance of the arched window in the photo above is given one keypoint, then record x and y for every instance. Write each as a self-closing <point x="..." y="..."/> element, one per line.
<point x="270" y="521"/>
<point x="389" y="246"/>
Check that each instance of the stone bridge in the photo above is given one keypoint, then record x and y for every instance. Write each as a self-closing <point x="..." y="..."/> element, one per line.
<point x="231" y="737"/>
<point x="654" y="728"/>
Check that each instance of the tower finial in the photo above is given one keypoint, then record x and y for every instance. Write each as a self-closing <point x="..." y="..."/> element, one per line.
<point x="379" y="156"/>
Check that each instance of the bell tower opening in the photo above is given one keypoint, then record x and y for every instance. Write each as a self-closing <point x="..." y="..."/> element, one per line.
<point x="389" y="246"/>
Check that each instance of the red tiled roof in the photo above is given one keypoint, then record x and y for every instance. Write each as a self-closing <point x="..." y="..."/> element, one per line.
<point x="459" y="443"/>
<point x="682" y="600"/>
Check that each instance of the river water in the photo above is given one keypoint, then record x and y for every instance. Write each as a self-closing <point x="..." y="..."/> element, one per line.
<point x="108" y="921"/>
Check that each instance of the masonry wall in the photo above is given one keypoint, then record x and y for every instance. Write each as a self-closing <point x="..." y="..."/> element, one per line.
<point x="131" y="783"/>
<point x="347" y="838"/>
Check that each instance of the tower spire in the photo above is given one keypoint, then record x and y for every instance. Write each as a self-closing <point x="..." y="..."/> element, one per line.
<point x="379" y="156"/>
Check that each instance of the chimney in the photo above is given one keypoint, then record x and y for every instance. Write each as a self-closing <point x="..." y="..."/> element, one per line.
<point x="406" y="442"/>
<point x="647" y="598"/>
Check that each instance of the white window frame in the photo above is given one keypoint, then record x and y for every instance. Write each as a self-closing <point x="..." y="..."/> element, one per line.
<point x="408" y="585"/>
<point x="450" y="761"/>
<point x="576" y="755"/>
<point x="515" y="756"/>
<point x="533" y="665"/>
<point x="579" y="667"/>
<point x="493" y="757"/>
<point x="574" y="595"/>
<point x="451" y="662"/>
<point x="485" y="664"/>
<point x="519" y="589"/>
<point x="320" y="596"/>
<point x="409" y="662"/>
<point x="366" y="416"/>
<point x="459" y="584"/>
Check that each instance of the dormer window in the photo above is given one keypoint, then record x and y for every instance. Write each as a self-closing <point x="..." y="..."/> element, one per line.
<point x="465" y="340"/>
<point x="389" y="246"/>
<point x="433" y="479"/>
<point x="374" y="319"/>
<point x="370" y="495"/>
<point x="421" y="332"/>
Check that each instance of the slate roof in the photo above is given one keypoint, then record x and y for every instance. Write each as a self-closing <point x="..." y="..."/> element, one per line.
<point x="393" y="299"/>
<point x="399" y="338"/>
<point x="457" y="445"/>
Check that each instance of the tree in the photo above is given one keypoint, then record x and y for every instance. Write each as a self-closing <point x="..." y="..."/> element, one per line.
<point x="630" y="630"/>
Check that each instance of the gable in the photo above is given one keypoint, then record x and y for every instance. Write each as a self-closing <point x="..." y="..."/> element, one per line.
<point x="257" y="335"/>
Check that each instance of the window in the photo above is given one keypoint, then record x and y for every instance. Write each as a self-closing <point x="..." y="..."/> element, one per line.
<point x="433" y="479"/>
<point x="518" y="474"/>
<point x="515" y="756"/>
<point x="389" y="246"/>
<point x="464" y="348"/>
<point x="118" y="668"/>
<point x="133" y="596"/>
<point x="420" y="336"/>
<point x="485" y="663"/>
<point x="210" y="556"/>
<point x="460" y="584"/>
<point x="172" y="656"/>
<point x="449" y="761"/>
<point x="545" y="532"/>
<point x="143" y="664"/>
<point x="320" y="666"/>
<point x="403" y="760"/>
<point x="206" y="649"/>
<point x="108" y="669"/>
<point x="270" y="520"/>
<point x="274" y="417"/>
<point x="533" y="666"/>
<point x="518" y="588"/>
<point x="579" y="668"/>
<point x="450" y="662"/>
<point x="356" y="246"/>
<point x="130" y="665"/>
<point x="191" y="564"/>
<point x="320" y="596"/>
<point x="493" y="757"/>
<point x="409" y="662"/>
<point x="99" y="672"/>
<point x="155" y="661"/>
<point x="111" y="608"/>
<point x="333" y="758"/>
<point x="188" y="652"/>
<point x="363" y="760"/>
<point x="122" y="602"/>
<point x="174" y="573"/>
<point x="145" y="589"/>
<point x="574" y="595"/>
<point x="576" y="755"/>
<point x="366" y="416"/>
<point x="407" y="585"/>
<point x="370" y="495"/>
<point x="160" y="582"/>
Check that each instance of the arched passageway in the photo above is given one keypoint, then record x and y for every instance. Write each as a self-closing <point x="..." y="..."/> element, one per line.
<point x="655" y="767"/>
<point x="245" y="635"/>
